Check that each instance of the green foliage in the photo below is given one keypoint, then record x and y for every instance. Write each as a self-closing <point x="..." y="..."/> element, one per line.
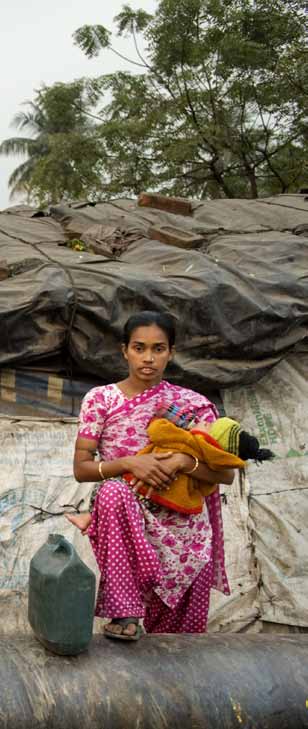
<point x="131" y="21"/>
<point x="70" y="169"/>
<point x="221" y="108"/>
<point x="76" y="245"/>
<point x="91" y="39"/>
<point x="64" y="150"/>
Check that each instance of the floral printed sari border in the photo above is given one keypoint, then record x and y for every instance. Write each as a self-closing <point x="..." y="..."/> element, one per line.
<point x="129" y="405"/>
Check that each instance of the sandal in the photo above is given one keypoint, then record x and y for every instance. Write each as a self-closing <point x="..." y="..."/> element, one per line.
<point x="124" y="622"/>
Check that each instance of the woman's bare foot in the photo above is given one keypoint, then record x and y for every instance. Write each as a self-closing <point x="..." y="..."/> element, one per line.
<point x="123" y="628"/>
<point x="81" y="521"/>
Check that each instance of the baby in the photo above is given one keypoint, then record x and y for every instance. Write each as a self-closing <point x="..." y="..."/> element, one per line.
<point x="222" y="444"/>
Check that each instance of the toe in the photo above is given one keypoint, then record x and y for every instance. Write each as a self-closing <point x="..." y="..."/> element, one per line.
<point x="113" y="628"/>
<point x="130" y="629"/>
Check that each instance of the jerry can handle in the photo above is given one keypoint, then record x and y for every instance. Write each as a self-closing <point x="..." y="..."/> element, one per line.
<point x="58" y="543"/>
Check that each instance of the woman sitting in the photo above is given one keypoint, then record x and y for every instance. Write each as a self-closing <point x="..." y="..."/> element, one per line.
<point x="159" y="566"/>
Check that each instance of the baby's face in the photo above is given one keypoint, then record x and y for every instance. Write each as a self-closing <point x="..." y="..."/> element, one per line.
<point x="204" y="427"/>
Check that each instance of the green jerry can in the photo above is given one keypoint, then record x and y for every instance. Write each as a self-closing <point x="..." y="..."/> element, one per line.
<point x="61" y="597"/>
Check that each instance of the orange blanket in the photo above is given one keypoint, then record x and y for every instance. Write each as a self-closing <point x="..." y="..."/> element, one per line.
<point x="186" y="494"/>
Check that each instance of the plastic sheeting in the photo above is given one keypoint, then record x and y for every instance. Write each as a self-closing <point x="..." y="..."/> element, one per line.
<point x="241" y="301"/>
<point x="36" y="465"/>
<point x="36" y="469"/>
<point x="276" y="410"/>
<point x="265" y="515"/>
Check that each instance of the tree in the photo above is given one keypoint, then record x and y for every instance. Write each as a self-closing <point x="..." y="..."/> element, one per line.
<point x="221" y="106"/>
<point x="63" y="149"/>
<point x="128" y="124"/>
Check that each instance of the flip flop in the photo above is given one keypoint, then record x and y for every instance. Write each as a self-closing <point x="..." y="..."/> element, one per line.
<point x="124" y="622"/>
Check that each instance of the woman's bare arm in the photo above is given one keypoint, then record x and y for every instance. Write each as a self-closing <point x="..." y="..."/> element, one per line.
<point x="204" y="473"/>
<point x="180" y="463"/>
<point x="86" y="468"/>
<point x="149" y="468"/>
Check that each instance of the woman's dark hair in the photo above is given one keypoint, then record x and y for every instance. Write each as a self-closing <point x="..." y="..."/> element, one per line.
<point x="250" y="448"/>
<point x="165" y="322"/>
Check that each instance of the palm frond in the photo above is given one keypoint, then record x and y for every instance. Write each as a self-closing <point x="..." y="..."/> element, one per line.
<point x="20" y="176"/>
<point x="23" y="120"/>
<point x="17" y="145"/>
<point x="34" y="121"/>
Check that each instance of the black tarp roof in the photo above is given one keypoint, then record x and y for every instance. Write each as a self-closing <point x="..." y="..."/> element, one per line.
<point x="240" y="297"/>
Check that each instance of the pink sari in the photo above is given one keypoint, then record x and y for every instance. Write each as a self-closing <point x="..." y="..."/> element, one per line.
<point x="159" y="566"/>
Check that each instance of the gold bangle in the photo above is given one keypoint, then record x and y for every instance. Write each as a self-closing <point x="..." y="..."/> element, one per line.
<point x="194" y="468"/>
<point x="101" y="463"/>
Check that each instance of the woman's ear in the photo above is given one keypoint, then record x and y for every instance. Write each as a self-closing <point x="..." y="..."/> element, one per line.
<point x="123" y="347"/>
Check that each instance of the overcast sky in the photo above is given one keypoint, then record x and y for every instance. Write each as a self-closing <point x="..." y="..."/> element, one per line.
<point x="36" y="47"/>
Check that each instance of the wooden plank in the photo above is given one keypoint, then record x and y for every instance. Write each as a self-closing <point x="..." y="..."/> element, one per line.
<point x="175" y="236"/>
<point x="176" y="205"/>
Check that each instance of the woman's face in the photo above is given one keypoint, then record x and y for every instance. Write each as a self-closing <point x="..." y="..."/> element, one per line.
<point x="147" y="353"/>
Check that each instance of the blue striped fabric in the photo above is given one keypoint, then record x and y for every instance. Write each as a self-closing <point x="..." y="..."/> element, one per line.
<point x="40" y="394"/>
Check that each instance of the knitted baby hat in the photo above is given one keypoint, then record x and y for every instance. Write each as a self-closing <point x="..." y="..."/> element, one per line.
<point x="233" y="439"/>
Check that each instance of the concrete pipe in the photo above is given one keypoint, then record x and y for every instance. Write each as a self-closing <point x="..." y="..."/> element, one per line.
<point x="221" y="681"/>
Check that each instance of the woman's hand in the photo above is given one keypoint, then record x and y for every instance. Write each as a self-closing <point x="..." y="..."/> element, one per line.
<point x="157" y="470"/>
<point x="182" y="463"/>
<point x="173" y="464"/>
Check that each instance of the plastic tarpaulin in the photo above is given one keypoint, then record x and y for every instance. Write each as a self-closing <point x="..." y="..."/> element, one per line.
<point x="265" y="515"/>
<point x="241" y="300"/>
<point x="36" y="468"/>
<point x="36" y="465"/>
<point x="276" y="410"/>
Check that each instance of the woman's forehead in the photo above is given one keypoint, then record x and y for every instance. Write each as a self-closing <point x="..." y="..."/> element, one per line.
<point x="149" y="335"/>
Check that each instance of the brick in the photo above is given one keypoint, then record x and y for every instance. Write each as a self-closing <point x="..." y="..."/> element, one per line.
<point x="175" y="236"/>
<point x="176" y="205"/>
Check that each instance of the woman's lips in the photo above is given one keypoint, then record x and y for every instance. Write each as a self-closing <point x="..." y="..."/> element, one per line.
<point x="147" y="370"/>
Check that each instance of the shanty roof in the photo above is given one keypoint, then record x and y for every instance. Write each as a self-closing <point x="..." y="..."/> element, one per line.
<point x="234" y="273"/>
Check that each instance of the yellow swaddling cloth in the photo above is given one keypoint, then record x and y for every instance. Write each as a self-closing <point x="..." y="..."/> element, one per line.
<point x="186" y="494"/>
